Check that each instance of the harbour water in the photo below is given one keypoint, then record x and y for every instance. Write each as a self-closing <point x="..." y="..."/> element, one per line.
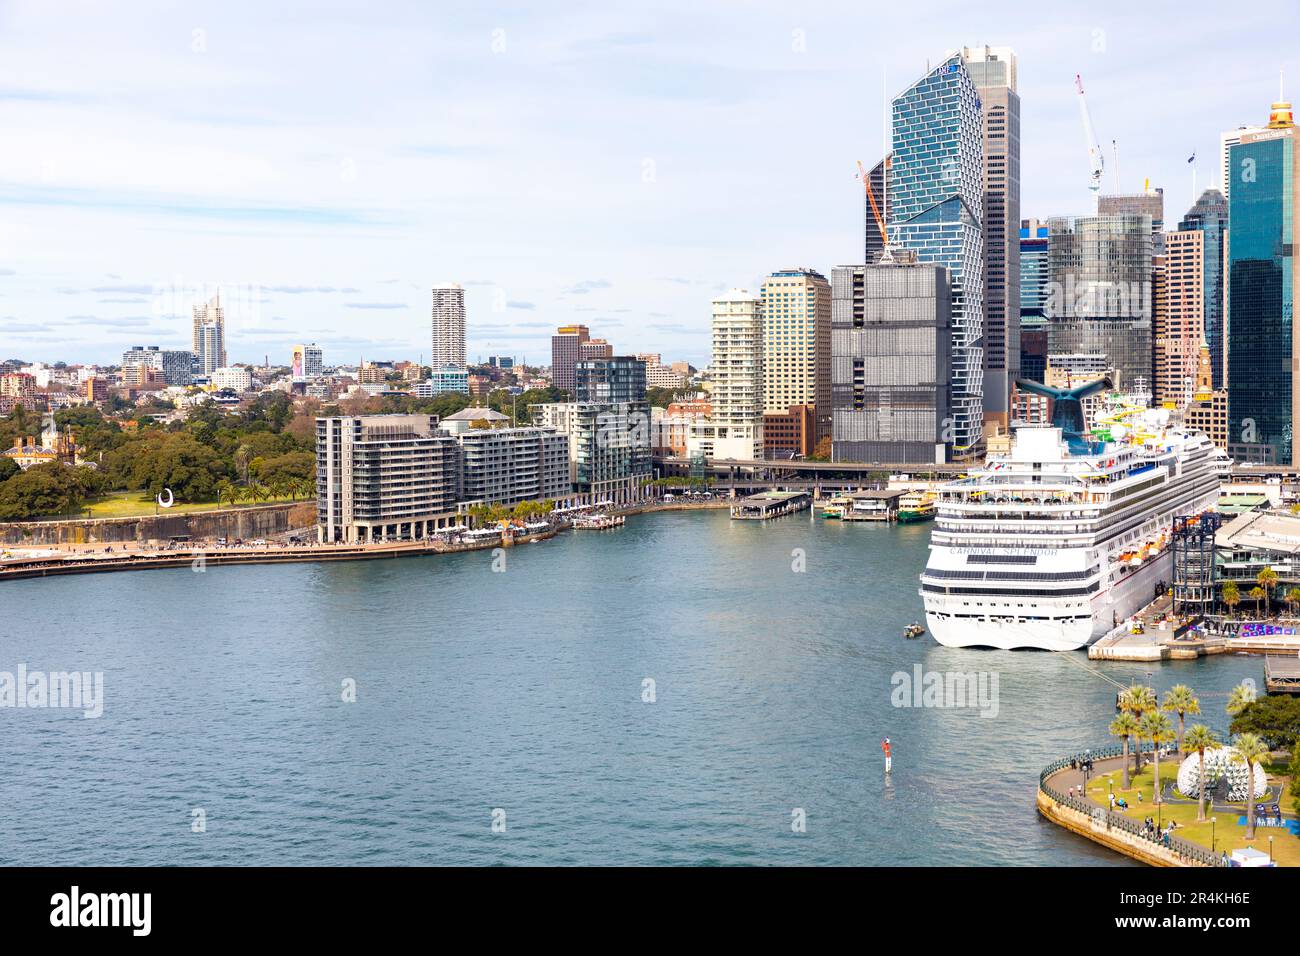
<point x="522" y="690"/>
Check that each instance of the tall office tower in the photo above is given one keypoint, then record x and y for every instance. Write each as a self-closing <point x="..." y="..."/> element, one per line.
<point x="1209" y="216"/>
<point x="1034" y="276"/>
<point x="874" y="201"/>
<point x="891" y="355"/>
<point x="1150" y="204"/>
<point x="384" y="478"/>
<point x="616" y="379"/>
<point x="1099" y="300"/>
<point x="936" y="196"/>
<point x="993" y="71"/>
<point x="211" y="349"/>
<point x="735" y="429"/>
<point x="797" y="345"/>
<point x="1226" y="142"/>
<point x="1264" y="208"/>
<point x="448" y="325"/>
<point x="1179" y="329"/>
<point x="566" y="349"/>
<point x="210" y="314"/>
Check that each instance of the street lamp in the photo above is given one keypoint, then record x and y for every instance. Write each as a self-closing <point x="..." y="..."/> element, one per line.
<point x="1213" y="821"/>
<point x="1270" y="848"/>
<point x="1087" y="765"/>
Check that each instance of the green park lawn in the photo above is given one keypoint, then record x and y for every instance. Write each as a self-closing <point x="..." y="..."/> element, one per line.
<point x="130" y="504"/>
<point x="1227" y="833"/>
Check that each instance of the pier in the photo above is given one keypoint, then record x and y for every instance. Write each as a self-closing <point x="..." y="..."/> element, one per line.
<point x="770" y="504"/>
<point x="1282" y="674"/>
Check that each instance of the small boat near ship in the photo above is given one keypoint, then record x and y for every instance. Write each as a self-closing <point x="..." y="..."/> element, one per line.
<point x="913" y="631"/>
<point x="597" y="522"/>
<point x="916" y="506"/>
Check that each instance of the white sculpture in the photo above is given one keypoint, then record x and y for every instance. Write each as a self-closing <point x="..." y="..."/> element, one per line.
<point x="1219" y="763"/>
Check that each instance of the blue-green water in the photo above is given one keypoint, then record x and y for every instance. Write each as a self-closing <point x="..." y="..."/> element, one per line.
<point x="522" y="690"/>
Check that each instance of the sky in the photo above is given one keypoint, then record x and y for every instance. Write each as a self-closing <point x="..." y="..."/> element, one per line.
<point x="611" y="164"/>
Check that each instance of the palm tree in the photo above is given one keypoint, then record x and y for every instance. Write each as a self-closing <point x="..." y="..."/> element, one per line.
<point x="228" y="492"/>
<point x="1231" y="595"/>
<point x="1242" y="696"/>
<point x="1181" y="701"/>
<point x="1200" y="738"/>
<point x="1247" y="749"/>
<point x="1267" y="579"/>
<point x="1155" y="727"/>
<point x="304" y="486"/>
<point x="1124" y="726"/>
<point x="278" y="486"/>
<point x="1137" y="700"/>
<point x="1257" y="594"/>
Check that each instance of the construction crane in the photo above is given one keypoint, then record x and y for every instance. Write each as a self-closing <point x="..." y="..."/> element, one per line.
<point x="1095" y="162"/>
<point x="871" y="198"/>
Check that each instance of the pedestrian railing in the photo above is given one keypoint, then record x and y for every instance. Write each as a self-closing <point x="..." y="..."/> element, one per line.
<point x="1113" y="820"/>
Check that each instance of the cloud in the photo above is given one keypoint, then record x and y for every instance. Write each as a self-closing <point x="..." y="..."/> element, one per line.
<point x="676" y="328"/>
<point x="134" y="301"/>
<point x="374" y="305"/>
<point x="112" y="322"/>
<point x="132" y="289"/>
<point x="7" y="272"/>
<point x="517" y="304"/>
<point x="25" y="327"/>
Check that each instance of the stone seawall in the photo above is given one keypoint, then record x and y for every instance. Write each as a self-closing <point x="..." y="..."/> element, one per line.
<point x="256" y="522"/>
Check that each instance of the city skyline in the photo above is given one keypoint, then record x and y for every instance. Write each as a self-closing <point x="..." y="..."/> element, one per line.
<point x="333" y="216"/>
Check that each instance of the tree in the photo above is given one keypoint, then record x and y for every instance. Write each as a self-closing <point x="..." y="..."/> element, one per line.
<point x="1257" y="594"/>
<point x="1248" y="749"/>
<point x="228" y="492"/>
<point x="1241" y="697"/>
<point x="1231" y="595"/>
<point x="1124" y="726"/>
<point x="1181" y="701"/>
<point x="1155" y="727"/>
<point x="1137" y="700"/>
<point x="1292" y="599"/>
<point x="823" y="451"/>
<point x="8" y="468"/>
<point x="1200" y="739"/>
<point x="1267" y="579"/>
<point x="1274" y="718"/>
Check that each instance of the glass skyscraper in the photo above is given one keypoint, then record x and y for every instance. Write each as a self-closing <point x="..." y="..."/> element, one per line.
<point x="1210" y="217"/>
<point x="936" y="190"/>
<point x="1261" y="296"/>
<point x="1034" y="276"/>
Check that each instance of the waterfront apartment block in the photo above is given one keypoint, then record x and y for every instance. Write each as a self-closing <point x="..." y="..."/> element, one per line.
<point x="504" y="466"/>
<point x="448" y="326"/>
<point x="891" y="363"/>
<point x="797" y="346"/>
<point x="1263" y="295"/>
<point x="936" y="198"/>
<point x="735" y="428"/>
<point x="609" y="446"/>
<point x="384" y="478"/>
<point x="993" y="71"/>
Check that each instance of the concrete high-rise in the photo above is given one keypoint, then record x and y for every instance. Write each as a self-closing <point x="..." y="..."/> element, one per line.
<point x="210" y="314"/>
<point x="448" y="346"/>
<point x="1263" y="297"/>
<point x="891" y="362"/>
<point x="797" y="345"/>
<point x="874" y="211"/>
<point x="1179" y="321"/>
<point x="1209" y="216"/>
<point x="936" y="198"/>
<point x="565" y="346"/>
<point x="993" y="71"/>
<point x="1099" y="301"/>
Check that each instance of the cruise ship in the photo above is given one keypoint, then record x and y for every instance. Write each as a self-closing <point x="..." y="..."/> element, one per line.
<point x="1060" y="541"/>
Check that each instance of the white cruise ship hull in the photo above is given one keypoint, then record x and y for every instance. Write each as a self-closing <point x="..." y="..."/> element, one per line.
<point x="1062" y="630"/>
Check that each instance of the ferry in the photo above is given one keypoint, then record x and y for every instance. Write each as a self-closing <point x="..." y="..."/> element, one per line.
<point x="1058" y="542"/>
<point x="834" y="507"/>
<point x="916" y="506"/>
